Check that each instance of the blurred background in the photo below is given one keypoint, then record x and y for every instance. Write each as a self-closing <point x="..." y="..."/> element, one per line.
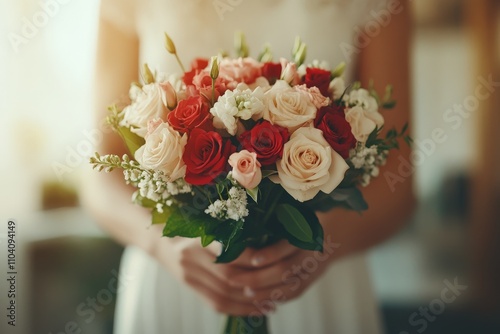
<point x="66" y="263"/>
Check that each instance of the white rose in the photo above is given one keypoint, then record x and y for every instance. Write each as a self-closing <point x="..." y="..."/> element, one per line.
<point x="240" y="103"/>
<point x="309" y="165"/>
<point x="362" y="114"/>
<point x="288" y="107"/>
<point x="147" y="105"/>
<point x="163" y="151"/>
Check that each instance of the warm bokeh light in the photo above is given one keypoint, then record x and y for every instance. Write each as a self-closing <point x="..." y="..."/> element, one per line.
<point x="47" y="135"/>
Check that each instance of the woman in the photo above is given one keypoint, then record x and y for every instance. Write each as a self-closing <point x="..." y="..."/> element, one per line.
<point x="318" y="293"/>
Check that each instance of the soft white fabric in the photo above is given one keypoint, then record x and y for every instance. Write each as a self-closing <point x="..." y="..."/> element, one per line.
<point x="153" y="302"/>
<point x="341" y="301"/>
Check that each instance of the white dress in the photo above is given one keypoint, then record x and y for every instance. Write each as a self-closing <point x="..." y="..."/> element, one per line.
<point x="342" y="300"/>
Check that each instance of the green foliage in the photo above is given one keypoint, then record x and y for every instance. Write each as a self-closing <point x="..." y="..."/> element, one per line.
<point x="350" y="198"/>
<point x="315" y="243"/>
<point x="132" y="140"/>
<point x="391" y="139"/>
<point x="294" y="222"/>
<point x="160" y="217"/>
<point x="188" y="226"/>
<point x="338" y="71"/>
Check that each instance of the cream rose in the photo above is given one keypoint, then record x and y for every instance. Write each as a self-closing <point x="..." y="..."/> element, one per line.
<point x="288" y="107"/>
<point x="309" y="165"/>
<point x="362" y="114"/>
<point x="148" y="104"/>
<point x="246" y="169"/>
<point x="163" y="150"/>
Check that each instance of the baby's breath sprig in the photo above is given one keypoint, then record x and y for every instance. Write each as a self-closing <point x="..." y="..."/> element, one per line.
<point x="110" y="162"/>
<point x="153" y="185"/>
<point x="114" y="117"/>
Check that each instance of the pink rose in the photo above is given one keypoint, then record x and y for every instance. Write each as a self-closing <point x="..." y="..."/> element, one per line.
<point x="289" y="72"/>
<point x="203" y="82"/>
<point x="246" y="169"/>
<point x="318" y="99"/>
<point x="245" y="70"/>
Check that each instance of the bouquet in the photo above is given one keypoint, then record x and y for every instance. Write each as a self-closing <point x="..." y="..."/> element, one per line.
<point x="243" y="151"/>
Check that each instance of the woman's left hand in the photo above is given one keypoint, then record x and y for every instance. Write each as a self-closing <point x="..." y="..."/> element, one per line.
<point x="278" y="273"/>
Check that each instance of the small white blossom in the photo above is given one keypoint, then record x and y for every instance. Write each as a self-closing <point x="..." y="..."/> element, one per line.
<point x="217" y="209"/>
<point x="239" y="103"/>
<point x="367" y="159"/>
<point x="235" y="207"/>
<point x="159" y="207"/>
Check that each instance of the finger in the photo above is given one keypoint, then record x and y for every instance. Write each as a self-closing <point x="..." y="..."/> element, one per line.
<point x="221" y="303"/>
<point x="223" y="271"/>
<point x="243" y="260"/>
<point x="215" y="248"/>
<point x="221" y="287"/>
<point x="270" y="295"/>
<point x="266" y="277"/>
<point x="262" y="257"/>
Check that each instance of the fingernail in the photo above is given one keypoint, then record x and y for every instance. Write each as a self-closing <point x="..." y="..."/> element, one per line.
<point x="256" y="261"/>
<point x="248" y="292"/>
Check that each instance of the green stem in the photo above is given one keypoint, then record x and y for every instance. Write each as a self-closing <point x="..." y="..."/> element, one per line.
<point x="180" y="63"/>
<point x="239" y="325"/>
<point x="270" y="209"/>
<point x="213" y="92"/>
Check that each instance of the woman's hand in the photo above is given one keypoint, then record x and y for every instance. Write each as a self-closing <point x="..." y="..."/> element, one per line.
<point x="252" y="284"/>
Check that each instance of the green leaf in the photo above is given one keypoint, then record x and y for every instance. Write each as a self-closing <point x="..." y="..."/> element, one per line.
<point x="160" y="217"/>
<point x="408" y="140"/>
<point x="267" y="173"/>
<point x="294" y="222"/>
<point x="253" y="193"/>
<point x="372" y="137"/>
<point x="316" y="242"/>
<point x="207" y="239"/>
<point x="353" y="197"/>
<point x="405" y="128"/>
<point x="339" y="70"/>
<point x="132" y="140"/>
<point x="388" y="104"/>
<point x="188" y="227"/>
<point x="236" y="229"/>
<point x="231" y="253"/>
<point x="144" y="202"/>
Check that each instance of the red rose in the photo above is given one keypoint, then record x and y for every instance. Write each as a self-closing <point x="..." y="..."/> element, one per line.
<point x="336" y="129"/>
<point x="193" y="112"/>
<point x="266" y="140"/>
<point x="206" y="155"/>
<point x="197" y="65"/>
<point x="271" y="71"/>
<point x="319" y="78"/>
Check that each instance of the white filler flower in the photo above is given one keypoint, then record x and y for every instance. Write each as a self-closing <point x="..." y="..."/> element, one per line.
<point x="239" y="103"/>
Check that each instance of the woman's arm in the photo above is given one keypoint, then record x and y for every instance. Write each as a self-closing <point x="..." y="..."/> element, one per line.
<point x="109" y="199"/>
<point x="386" y="61"/>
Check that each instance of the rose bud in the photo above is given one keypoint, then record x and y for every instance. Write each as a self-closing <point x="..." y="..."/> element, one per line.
<point x="246" y="169"/>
